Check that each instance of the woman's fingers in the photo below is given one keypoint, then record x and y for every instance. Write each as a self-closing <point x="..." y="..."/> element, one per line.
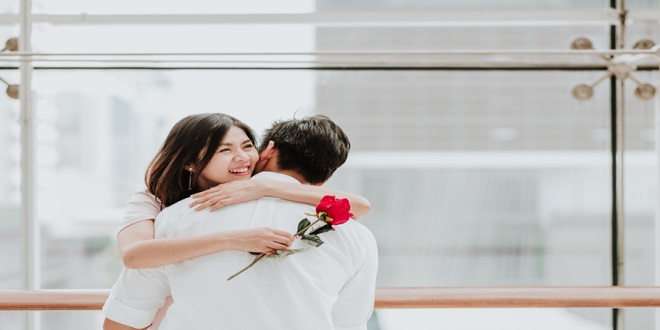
<point x="278" y="246"/>
<point x="204" y="193"/>
<point x="222" y="203"/>
<point x="284" y="234"/>
<point x="216" y="201"/>
<point x="203" y="198"/>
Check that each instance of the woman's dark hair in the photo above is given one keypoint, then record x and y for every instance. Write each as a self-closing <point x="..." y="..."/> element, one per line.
<point x="193" y="140"/>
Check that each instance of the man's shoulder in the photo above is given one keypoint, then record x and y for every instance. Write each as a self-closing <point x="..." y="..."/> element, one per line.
<point x="357" y="233"/>
<point x="176" y="208"/>
<point x="180" y="216"/>
<point x="356" y="227"/>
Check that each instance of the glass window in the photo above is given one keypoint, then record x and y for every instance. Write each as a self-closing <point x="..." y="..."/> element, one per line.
<point x="12" y="319"/>
<point x="10" y="6"/>
<point x="470" y="188"/>
<point x="56" y="320"/>
<point x="99" y="130"/>
<point x="328" y="5"/>
<point x="640" y="33"/>
<point x="10" y="198"/>
<point x="490" y="318"/>
<point x="491" y="172"/>
<point x="172" y="38"/>
<point x="170" y="7"/>
<point x="640" y="196"/>
<point x="459" y="38"/>
<point x="642" y="4"/>
<point x="10" y="186"/>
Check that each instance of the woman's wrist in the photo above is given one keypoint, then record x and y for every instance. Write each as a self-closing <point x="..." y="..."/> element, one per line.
<point x="227" y="240"/>
<point x="266" y="188"/>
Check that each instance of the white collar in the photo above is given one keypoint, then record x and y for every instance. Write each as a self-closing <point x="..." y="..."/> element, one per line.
<point x="265" y="175"/>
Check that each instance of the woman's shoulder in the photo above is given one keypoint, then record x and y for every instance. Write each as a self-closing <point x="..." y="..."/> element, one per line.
<point x="142" y="205"/>
<point x="143" y="196"/>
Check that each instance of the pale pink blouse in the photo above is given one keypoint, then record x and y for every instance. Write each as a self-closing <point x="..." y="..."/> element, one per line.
<point x="143" y="206"/>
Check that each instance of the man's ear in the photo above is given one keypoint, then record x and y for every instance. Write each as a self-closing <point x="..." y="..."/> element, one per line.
<point x="268" y="152"/>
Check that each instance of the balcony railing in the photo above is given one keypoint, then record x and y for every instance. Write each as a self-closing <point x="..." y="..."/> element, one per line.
<point x="436" y="297"/>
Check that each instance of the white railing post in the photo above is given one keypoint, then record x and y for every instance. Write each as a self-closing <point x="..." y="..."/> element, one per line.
<point x="30" y="225"/>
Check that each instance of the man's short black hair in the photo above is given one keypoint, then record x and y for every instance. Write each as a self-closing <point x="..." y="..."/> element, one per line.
<point x="313" y="146"/>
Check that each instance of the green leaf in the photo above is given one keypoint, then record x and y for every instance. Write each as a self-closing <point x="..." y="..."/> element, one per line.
<point x="312" y="240"/>
<point x="321" y="230"/>
<point x="284" y="253"/>
<point x="302" y="225"/>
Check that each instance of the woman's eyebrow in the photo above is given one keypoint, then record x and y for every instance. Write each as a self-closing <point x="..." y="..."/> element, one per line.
<point x="230" y="144"/>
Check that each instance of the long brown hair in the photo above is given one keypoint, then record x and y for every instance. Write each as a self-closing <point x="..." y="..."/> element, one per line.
<point x="193" y="140"/>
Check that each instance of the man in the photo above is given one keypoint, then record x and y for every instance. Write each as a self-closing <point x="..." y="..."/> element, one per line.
<point x="327" y="287"/>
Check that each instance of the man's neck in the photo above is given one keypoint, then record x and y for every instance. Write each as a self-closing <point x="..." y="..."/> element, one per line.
<point x="292" y="174"/>
<point x="270" y="165"/>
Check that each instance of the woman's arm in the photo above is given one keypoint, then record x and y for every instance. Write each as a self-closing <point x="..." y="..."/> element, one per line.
<point x="242" y="191"/>
<point x="139" y="249"/>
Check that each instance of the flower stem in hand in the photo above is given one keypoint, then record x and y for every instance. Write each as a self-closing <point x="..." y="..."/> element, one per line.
<point x="303" y="230"/>
<point x="259" y="257"/>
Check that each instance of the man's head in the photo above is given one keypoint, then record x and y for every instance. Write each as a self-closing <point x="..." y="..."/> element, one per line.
<point x="312" y="147"/>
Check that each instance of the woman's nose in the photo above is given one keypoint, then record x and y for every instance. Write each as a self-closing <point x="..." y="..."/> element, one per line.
<point x="241" y="155"/>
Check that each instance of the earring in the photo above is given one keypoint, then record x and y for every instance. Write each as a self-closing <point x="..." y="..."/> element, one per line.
<point x="190" y="179"/>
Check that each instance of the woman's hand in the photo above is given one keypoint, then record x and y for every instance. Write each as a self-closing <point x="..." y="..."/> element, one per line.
<point x="262" y="240"/>
<point x="229" y="193"/>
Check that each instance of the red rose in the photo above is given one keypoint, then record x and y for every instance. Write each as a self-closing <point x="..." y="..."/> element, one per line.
<point x="336" y="209"/>
<point x="331" y="210"/>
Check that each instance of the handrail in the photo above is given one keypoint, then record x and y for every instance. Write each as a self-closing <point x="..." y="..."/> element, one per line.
<point x="436" y="297"/>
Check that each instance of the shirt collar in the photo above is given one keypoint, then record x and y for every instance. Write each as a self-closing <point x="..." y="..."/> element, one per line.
<point x="275" y="176"/>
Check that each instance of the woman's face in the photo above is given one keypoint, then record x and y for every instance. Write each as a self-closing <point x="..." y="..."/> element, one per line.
<point x="234" y="160"/>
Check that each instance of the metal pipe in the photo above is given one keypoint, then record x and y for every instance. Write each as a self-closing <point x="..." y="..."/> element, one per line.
<point x="396" y="297"/>
<point x="367" y="63"/>
<point x="465" y="17"/>
<point x="586" y="52"/>
<point x="30" y="225"/>
<point x="657" y="210"/>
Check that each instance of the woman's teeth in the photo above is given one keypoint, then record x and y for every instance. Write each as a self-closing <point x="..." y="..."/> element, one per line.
<point x="239" y="170"/>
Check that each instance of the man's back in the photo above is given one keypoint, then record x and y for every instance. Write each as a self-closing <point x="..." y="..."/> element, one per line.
<point x="329" y="287"/>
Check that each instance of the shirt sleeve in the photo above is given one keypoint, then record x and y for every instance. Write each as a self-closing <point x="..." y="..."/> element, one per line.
<point x="356" y="299"/>
<point x="142" y="206"/>
<point x="137" y="296"/>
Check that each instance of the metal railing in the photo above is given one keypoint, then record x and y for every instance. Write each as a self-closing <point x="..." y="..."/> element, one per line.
<point x="430" y="297"/>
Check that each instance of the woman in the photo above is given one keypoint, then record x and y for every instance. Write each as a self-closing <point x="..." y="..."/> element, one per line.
<point x="188" y="163"/>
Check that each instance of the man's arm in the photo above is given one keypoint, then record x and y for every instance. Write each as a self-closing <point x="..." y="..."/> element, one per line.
<point x="109" y="324"/>
<point x="356" y="299"/>
<point x="136" y="297"/>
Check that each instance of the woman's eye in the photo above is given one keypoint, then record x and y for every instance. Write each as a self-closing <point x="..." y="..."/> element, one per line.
<point x="224" y="150"/>
<point x="248" y="146"/>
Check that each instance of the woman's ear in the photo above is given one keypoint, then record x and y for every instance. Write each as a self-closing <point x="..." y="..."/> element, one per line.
<point x="190" y="168"/>
<point x="268" y="152"/>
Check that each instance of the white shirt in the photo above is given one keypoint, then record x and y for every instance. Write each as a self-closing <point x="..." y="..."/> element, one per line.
<point x="329" y="287"/>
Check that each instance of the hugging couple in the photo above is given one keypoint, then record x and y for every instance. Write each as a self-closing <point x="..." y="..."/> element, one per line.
<point x="204" y="217"/>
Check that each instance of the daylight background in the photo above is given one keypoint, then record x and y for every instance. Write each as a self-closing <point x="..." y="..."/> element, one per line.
<point x="478" y="176"/>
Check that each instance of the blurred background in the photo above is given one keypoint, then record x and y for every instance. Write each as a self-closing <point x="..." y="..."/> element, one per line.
<point x="482" y="170"/>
